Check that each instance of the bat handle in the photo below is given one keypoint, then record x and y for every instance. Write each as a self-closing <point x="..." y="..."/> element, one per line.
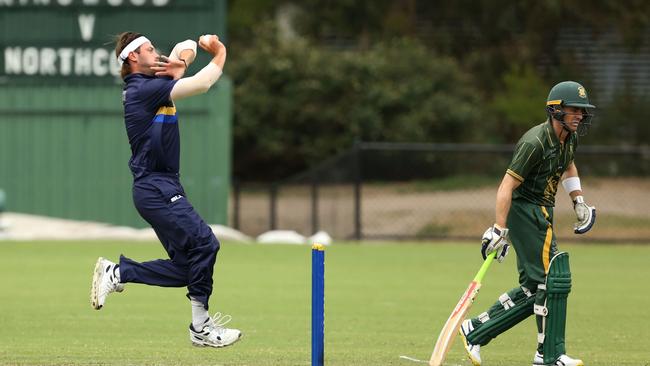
<point x="486" y="264"/>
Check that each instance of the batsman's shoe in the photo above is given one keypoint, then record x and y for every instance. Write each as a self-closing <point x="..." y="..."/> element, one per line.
<point x="473" y="350"/>
<point x="214" y="334"/>
<point x="104" y="282"/>
<point x="563" y="360"/>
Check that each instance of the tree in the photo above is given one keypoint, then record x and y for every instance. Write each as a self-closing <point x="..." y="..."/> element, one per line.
<point x="296" y="104"/>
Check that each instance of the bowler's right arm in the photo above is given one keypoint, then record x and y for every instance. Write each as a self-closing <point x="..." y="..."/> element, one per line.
<point x="202" y="80"/>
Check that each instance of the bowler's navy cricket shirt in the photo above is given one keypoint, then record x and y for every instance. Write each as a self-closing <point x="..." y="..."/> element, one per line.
<point x="151" y="125"/>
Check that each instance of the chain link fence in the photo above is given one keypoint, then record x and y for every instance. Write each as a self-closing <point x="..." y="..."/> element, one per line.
<point x="435" y="191"/>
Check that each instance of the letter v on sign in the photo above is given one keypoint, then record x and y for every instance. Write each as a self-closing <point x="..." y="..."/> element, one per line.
<point x="86" y="26"/>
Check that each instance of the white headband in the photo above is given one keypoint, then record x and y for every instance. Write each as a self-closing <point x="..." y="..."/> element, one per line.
<point x="130" y="48"/>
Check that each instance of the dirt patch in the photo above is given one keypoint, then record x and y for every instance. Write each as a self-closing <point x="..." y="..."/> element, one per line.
<point x="387" y="211"/>
<point x="623" y="208"/>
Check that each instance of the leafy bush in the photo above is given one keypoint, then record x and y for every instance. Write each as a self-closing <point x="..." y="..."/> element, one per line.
<point x="519" y="105"/>
<point x="296" y="104"/>
<point x="623" y="121"/>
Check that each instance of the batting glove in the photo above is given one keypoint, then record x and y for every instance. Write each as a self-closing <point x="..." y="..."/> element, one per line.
<point x="585" y="214"/>
<point x="495" y="238"/>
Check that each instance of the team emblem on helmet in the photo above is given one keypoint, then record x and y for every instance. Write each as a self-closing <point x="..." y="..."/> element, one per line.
<point x="582" y="93"/>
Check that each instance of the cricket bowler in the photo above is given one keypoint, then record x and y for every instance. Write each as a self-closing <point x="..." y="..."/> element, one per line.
<point x="543" y="157"/>
<point x="152" y="83"/>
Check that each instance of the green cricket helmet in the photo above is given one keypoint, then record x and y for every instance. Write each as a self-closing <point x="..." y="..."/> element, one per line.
<point x="570" y="94"/>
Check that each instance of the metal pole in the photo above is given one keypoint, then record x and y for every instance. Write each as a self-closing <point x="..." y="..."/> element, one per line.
<point x="236" y="202"/>
<point x="273" y="196"/>
<point x="356" y="151"/>
<point x="314" y="205"/>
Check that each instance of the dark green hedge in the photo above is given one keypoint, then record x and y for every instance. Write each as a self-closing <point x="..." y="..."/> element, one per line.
<point x="296" y="104"/>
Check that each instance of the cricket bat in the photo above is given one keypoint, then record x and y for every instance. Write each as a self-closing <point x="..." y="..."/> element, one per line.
<point x="449" y="331"/>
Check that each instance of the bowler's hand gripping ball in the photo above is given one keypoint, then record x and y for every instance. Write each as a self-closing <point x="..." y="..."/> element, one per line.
<point x="206" y="39"/>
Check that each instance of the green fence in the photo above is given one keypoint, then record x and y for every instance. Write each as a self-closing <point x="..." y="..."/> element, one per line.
<point x="443" y="191"/>
<point x="64" y="152"/>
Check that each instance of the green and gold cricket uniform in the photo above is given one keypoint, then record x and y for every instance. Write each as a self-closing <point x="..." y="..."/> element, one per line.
<point x="538" y="163"/>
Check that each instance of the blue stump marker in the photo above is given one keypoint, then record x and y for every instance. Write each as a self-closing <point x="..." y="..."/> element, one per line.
<point x="317" y="305"/>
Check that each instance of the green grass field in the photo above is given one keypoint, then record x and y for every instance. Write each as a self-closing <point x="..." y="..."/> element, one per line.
<point x="382" y="301"/>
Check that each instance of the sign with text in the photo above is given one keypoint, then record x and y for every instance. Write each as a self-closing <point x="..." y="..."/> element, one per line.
<point x="73" y="41"/>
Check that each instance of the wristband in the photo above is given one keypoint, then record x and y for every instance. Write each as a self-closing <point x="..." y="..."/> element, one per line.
<point x="571" y="184"/>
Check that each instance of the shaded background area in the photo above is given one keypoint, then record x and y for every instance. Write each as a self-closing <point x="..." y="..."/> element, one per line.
<point x="306" y="82"/>
<point x="313" y="77"/>
<point x="312" y="85"/>
<point x="433" y="191"/>
<point x="63" y="146"/>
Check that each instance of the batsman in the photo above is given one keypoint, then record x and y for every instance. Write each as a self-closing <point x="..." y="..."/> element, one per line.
<point x="543" y="157"/>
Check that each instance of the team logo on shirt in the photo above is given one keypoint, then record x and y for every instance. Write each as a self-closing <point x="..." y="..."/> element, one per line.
<point x="551" y="186"/>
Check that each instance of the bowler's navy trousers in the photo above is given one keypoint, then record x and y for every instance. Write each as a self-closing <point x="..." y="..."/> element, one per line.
<point x="189" y="241"/>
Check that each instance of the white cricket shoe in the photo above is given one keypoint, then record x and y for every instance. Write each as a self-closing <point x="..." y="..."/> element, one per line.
<point x="214" y="334"/>
<point x="563" y="360"/>
<point x="473" y="350"/>
<point x="105" y="282"/>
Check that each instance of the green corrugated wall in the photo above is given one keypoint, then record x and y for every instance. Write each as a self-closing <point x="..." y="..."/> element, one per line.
<point x="64" y="152"/>
<point x="63" y="146"/>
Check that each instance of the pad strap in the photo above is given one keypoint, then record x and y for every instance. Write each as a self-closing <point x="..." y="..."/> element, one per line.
<point x="483" y="317"/>
<point x="540" y="310"/>
<point x="506" y="301"/>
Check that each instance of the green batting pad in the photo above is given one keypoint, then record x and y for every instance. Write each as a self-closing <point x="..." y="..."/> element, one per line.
<point x="558" y="287"/>
<point x="520" y="307"/>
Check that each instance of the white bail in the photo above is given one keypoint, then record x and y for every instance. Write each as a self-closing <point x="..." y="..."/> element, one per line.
<point x="132" y="46"/>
